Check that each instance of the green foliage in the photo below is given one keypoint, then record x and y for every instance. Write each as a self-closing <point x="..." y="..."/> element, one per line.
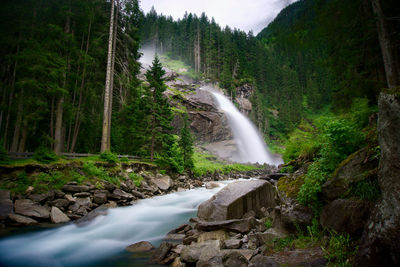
<point x="268" y="223"/>
<point x="137" y="179"/>
<point x="340" y="249"/>
<point x="91" y="170"/>
<point x="44" y="155"/>
<point x="46" y="181"/>
<point x="186" y="145"/>
<point x="109" y="157"/>
<point x="367" y="189"/>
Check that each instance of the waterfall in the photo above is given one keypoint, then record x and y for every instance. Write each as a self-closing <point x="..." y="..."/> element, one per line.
<point x="250" y="145"/>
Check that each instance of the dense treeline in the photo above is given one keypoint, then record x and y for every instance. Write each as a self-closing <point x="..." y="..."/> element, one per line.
<point x="53" y="69"/>
<point x="316" y="53"/>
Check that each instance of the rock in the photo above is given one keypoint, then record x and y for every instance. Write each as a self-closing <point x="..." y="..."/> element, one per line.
<point x="21" y="219"/>
<point x="263" y="261"/>
<point x="235" y="259"/>
<point x="211" y="185"/>
<point x="6" y="204"/>
<point x="82" y="211"/>
<point x="85" y="220"/>
<point x="355" y="168"/>
<point x="213" y="235"/>
<point x="39" y="198"/>
<point x="236" y="225"/>
<point x="28" y="208"/>
<point x="213" y="262"/>
<point x="82" y="194"/>
<point x="70" y="198"/>
<point x="161" y="252"/>
<point x="233" y="243"/>
<point x="121" y="195"/>
<point x="345" y="215"/>
<point x="177" y="263"/>
<point x="83" y="201"/>
<point x="138" y="194"/>
<point x="60" y="203"/>
<point x="162" y="182"/>
<point x="380" y="244"/>
<point x="29" y="190"/>
<point x="236" y="199"/>
<point x="293" y="213"/>
<point x="201" y="251"/>
<point x="301" y="257"/>
<point x="100" y="197"/>
<point x="141" y="246"/>
<point x="75" y="188"/>
<point x="57" y="216"/>
<point x="174" y="237"/>
<point x="272" y="233"/>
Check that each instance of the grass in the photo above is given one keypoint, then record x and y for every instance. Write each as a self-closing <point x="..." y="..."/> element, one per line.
<point x="179" y="67"/>
<point x="137" y="179"/>
<point x="207" y="164"/>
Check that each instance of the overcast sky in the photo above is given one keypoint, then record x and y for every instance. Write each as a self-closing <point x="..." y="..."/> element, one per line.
<point x="243" y="14"/>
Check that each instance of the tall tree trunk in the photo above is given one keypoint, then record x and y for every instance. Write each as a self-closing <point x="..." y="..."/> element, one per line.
<point x="52" y="119"/>
<point x="14" y="145"/>
<point x="112" y="76"/>
<point x="58" y="144"/>
<point x="104" y="136"/>
<point x="392" y="73"/>
<point x="22" y="143"/>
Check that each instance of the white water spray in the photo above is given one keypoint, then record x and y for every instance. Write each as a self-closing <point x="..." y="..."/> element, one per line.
<point x="250" y="145"/>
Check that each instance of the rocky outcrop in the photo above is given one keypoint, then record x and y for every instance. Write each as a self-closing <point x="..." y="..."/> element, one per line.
<point x="357" y="167"/>
<point x="237" y="198"/>
<point x="243" y="93"/>
<point x="345" y="215"/>
<point x="28" y="208"/>
<point x="380" y="241"/>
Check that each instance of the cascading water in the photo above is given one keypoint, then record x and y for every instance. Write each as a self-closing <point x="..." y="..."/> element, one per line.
<point x="250" y="145"/>
<point x="106" y="236"/>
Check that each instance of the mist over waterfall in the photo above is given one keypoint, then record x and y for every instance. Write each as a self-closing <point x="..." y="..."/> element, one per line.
<point x="250" y="145"/>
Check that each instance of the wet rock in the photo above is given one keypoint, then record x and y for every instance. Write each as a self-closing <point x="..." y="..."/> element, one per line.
<point x="60" y="203"/>
<point x="141" y="246"/>
<point x="355" y="168"/>
<point x="120" y="195"/>
<point x="235" y="259"/>
<point x="100" y="197"/>
<point x="161" y="252"/>
<point x="99" y="211"/>
<point x="345" y="215"/>
<point x="233" y="243"/>
<point x="19" y="219"/>
<point x="236" y="199"/>
<point x="211" y="185"/>
<point x="6" y="205"/>
<point x="28" y="208"/>
<point x="380" y="244"/>
<point x="57" y="216"/>
<point x="75" y="188"/>
<point x="263" y="261"/>
<point x="236" y="225"/>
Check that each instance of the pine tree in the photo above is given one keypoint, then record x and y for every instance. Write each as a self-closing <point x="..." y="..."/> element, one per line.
<point x="186" y="144"/>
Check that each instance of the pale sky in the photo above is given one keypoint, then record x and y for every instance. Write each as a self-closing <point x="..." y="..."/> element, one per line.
<point x="243" y="14"/>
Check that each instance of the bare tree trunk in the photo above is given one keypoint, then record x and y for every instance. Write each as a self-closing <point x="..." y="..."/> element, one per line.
<point x="22" y="143"/>
<point x="112" y="76"/>
<point x="392" y="73"/>
<point x="52" y="119"/>
<point x="104" y="136"/>
<point x="14" y="145"/>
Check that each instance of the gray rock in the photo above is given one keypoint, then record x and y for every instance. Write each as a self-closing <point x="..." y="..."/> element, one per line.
<point x="82" y="194"/>
<point x="272" y="233"/>
<point x="178" y="263"/>
<point x="162" y="182"/>
<point x="293" y="214"/>
<point x="75" y="188"/>
<point x="233" y="243"/>
<point x="141" y="246"/>
<point x="121" y="195"/>
<point x="19" y="219"/>
<point x="345" y="215"/>
<point x="235" y="259"/>
<point x="213" y="262"/>
<point x="161" y="252"/>
<point x="138" y="194"/>
<point x="57" y="216"/>
<point x="263" y="261"/>
<point x="100" y="197"/>
<point x="99" y="211"/>
<point x="40" y="198"/>
<point x="70" y="198"/>
<point x="201" y="251"/>
<point x="236" y="225"/>
<point x="237" y="198"/>
<point x="6" y="205"/>
<point x="60" y="203"/>
<point x="380" y="244"/>
<point x="211" y="185"/>
<point x="28" y="208"/>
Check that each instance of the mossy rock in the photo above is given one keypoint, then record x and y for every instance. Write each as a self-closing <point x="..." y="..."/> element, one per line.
<point x="290" y="185"/>
<point x="355" y="168"/>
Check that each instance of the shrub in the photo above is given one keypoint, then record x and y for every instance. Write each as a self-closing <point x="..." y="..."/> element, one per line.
<point x="44" y="155"/>
<point x="109" y="157"/>
<point x="340" y="249"/>
<point x="90" y="169"/>
<point x="52" y="180"/>
<point x="268" y="223"/>
<point x="366" y="189"/>
<point x="137" y="179"/>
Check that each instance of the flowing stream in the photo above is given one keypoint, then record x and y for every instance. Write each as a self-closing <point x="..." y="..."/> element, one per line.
<point x="106" y="236"/>
<point x="251" y="146"/>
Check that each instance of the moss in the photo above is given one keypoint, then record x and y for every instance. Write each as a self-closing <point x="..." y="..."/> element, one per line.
<point x="290" y="185"/>
<point x="345" y="162"/>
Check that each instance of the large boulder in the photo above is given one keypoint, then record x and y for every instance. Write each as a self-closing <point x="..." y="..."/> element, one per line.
<point x="6" y="204"/>
<point x="19" y="219"/>
<point x="163" y="182"/>
<point x="380" y="244"/>
<point x="357" y="167"/>
<point x="345" y="215"/>
<point x="234" y="225"/>
<point x="237" y="198"/>
<point x="28" y="208"/>
<point x="201" y="251"/>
